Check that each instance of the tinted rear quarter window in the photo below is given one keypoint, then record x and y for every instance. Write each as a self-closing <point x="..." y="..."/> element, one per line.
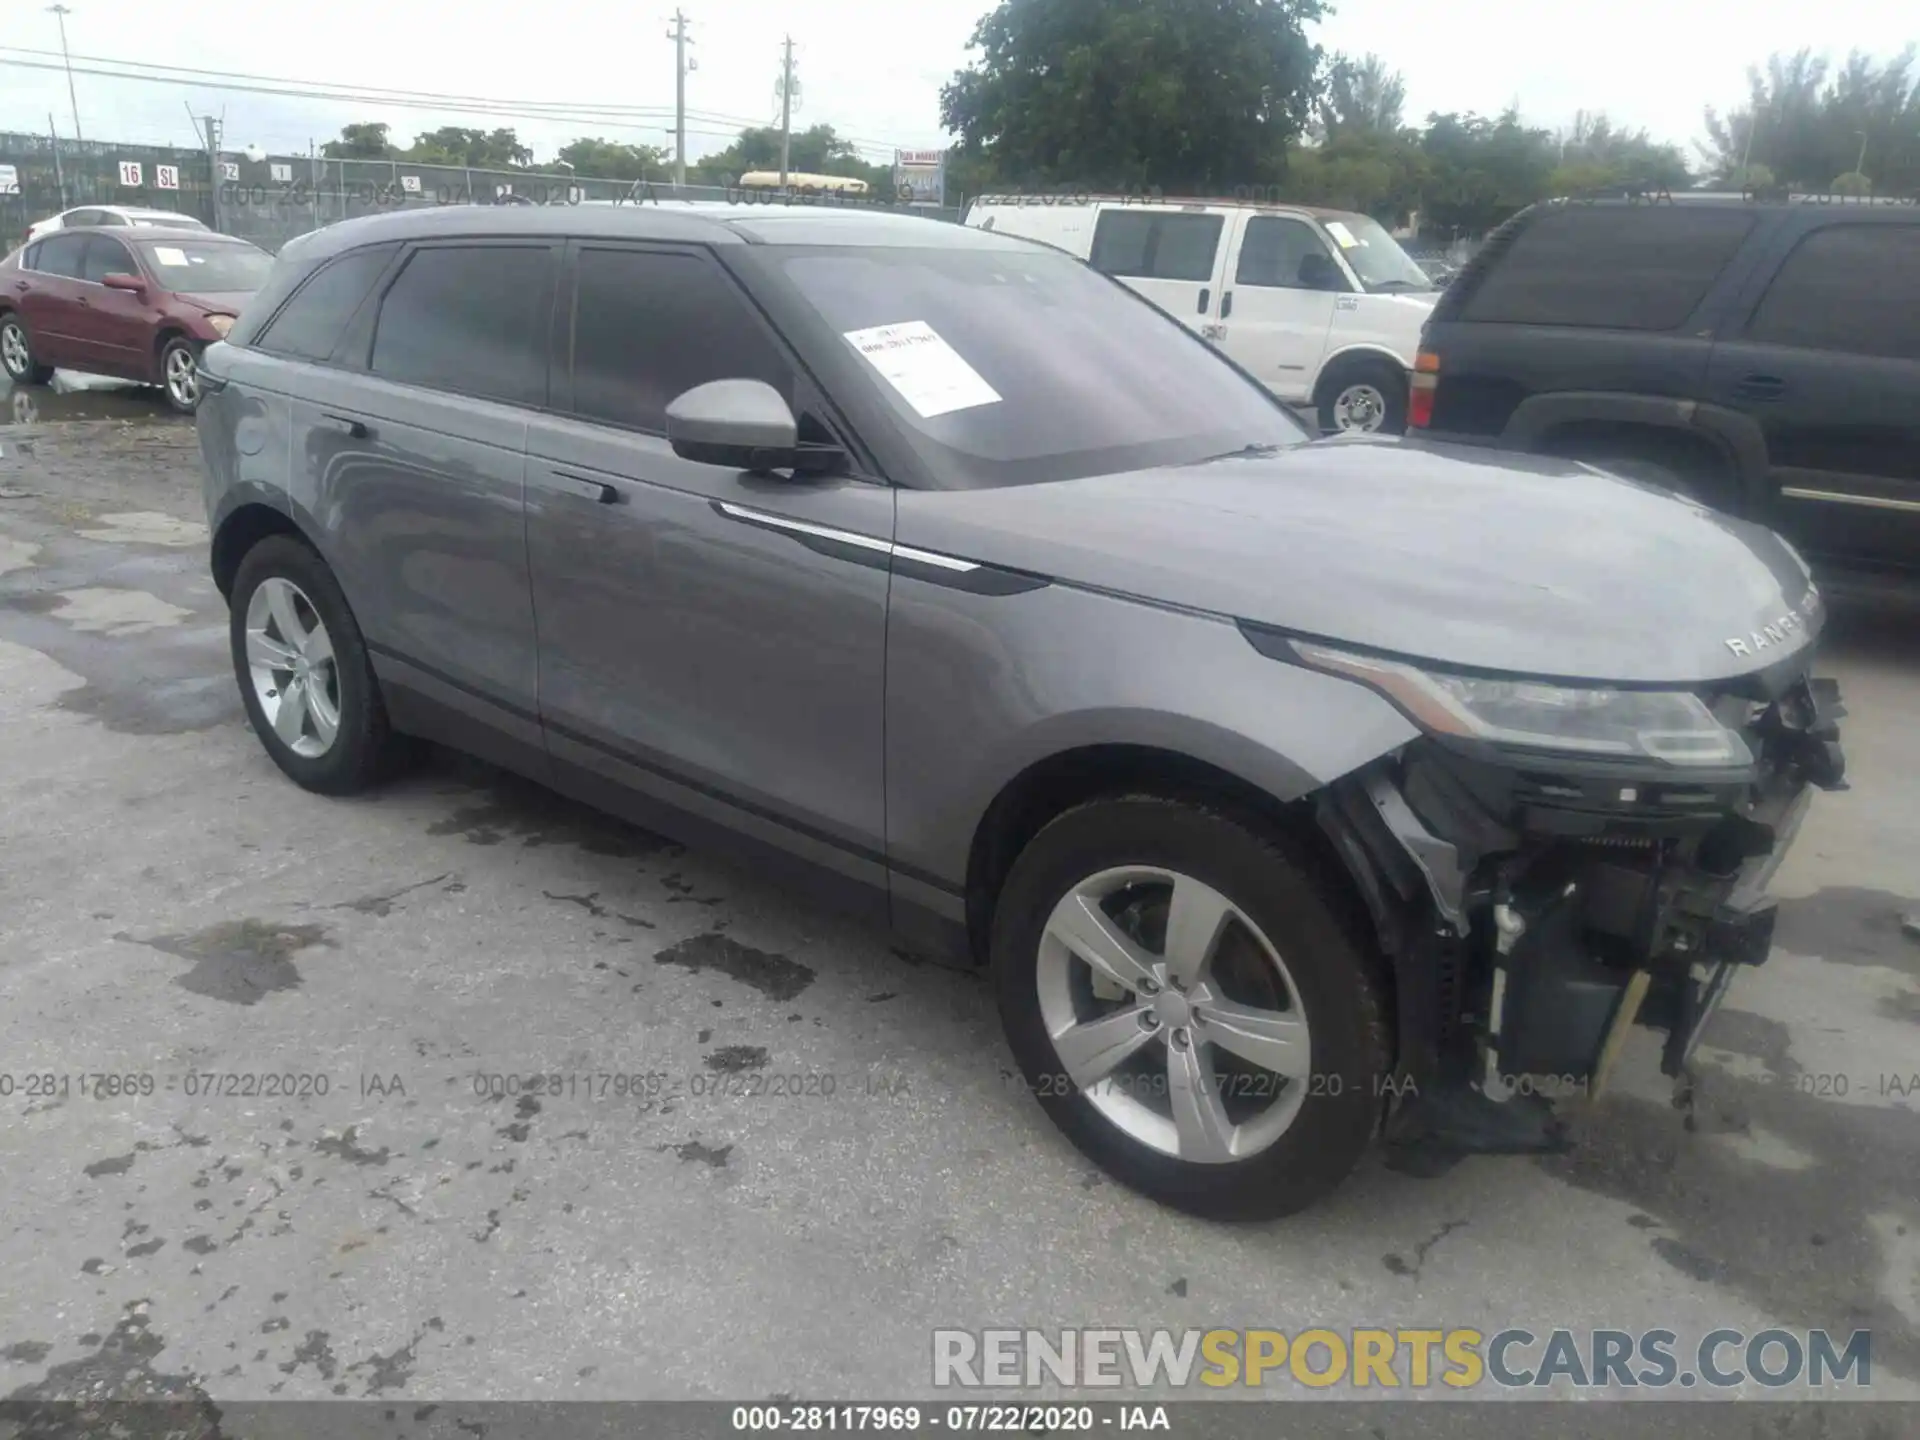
<point x="309" y="326"/>
<point x="1620" y="267"/>
<point x="1852" y="288"/>
<point x="1156" y="245"/>
<point x="467" y="318"/>
<point x="651" y="324"/>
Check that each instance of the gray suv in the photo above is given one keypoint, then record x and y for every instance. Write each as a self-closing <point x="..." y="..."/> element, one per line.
<point x="1298" y="794"/>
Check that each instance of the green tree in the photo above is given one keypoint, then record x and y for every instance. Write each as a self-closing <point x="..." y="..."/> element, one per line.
<point x="479" y="149"/>
<point x="1481" y="171"/>
<point x="1183" y="94"/>
<point x="817" y="150"/>
<point x="1363" y="95"/>
<point x="615" y="160"/>
<point x="1808" y="122"/>
<point x="365" y="141"/>
<point x="1594" y="155"/>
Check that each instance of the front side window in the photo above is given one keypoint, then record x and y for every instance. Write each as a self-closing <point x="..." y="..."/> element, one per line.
<point x="310" y="325"/>
<point x="467" y="318"/>
<point x="1017" y="366"/>
<point x="207" y="267"/>
<point x="1156" y="244"/>
<point x="1851" y="288"/>
<point x="1283" y="254"/>
<point x="106" y="257"/>
<point x="649" y="325"/>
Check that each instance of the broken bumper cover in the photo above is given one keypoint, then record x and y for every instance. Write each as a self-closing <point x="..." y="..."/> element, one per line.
<point x="1536" y="907"/>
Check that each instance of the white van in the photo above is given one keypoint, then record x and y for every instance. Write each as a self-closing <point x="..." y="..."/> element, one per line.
<point x="1323" y="306"/>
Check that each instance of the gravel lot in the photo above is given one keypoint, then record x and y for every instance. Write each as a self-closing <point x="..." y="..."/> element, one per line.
<point x="171" y="906"/>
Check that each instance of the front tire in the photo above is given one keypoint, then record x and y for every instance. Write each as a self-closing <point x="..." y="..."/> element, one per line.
<point x="303" y="670"/>
<point x="1367" y="397"/>
<point x="180" y="374"/>
<point x="1188" y="1008"/>
<point x="16" y="354"/>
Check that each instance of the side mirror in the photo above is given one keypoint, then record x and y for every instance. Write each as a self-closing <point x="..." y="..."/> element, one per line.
<point x="1318" y="272"/>
<point x="745" y="424"/>
<point x="121" y="281"/>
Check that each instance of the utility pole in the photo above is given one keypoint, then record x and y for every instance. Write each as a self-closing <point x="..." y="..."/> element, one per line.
<point x="213" y="171"/>
<point x="786" y="108"/>
<point x="60" y="13"/>
<point x="680" y="67"/>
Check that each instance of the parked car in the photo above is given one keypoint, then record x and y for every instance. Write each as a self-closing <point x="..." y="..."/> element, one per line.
<point x="1281" y="784"/>
<point x="1762" y="357"/>
<point x="1323" y="307"/>
<point x="140" y="305"/>
<point x="113" y="216"/>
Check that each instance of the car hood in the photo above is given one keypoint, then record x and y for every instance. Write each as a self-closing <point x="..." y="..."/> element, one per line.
<point x="221" y="302"/>
<point x="1465" y="558"/>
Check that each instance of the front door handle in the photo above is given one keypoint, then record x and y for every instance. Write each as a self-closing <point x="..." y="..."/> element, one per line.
<point x="21" y="286"/>
<point x="1760" y="387"/>
<point x="356" y="428"/>
<point x="1205" y="295"/>
<point x="1226" y="304"/>
<point x="597" y="491"/>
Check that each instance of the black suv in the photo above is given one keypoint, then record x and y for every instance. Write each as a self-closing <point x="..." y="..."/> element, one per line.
<point x="1764" y="357"/>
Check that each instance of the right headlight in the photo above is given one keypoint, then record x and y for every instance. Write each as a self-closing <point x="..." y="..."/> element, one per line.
<point x="1672" y="726"/>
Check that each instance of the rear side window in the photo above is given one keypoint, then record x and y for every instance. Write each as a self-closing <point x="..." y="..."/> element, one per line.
<point x="1854" y="288"/>
<point x="62" y="255"/>
<point x="467" y="319"/>
<point x="649" y="325"/>
<point x="1156" y="245"/>
<point x="309" y="326"/>
<point x="1615" y="267"/>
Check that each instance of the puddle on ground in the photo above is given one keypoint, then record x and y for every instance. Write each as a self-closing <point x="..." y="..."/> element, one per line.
<point x="83" y="397"/>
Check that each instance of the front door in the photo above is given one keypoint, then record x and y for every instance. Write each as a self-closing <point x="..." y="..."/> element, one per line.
<point x="408" y="463"/>
<point x="710" y="642"/>
<point x="1277" y="309"/>
<point x="1828" y="363"/>
<point x="1171" y="256"/>
<point x="118" y="335"/>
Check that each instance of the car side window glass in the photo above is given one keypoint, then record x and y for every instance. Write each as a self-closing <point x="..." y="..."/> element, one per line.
<point x="77" y="218"/>
<point x="1156" y="245"/>
<point x="106" y="257"/>
<point x="310" y="325"/>
<point x="107" y="217"/>
<point x="1272" y="251"/>
<point x="1853" y="288"/>
<point x="649" y="325"/>
<point x="63" y="255"/>
<point x="470" y="319"/>
<point x="1612" y="267"/>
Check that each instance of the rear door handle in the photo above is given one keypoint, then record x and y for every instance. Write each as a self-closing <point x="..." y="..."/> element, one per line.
<point x="356" y="428"/>
<point x="1760" y="387"/>
<point x="597" y="491"/>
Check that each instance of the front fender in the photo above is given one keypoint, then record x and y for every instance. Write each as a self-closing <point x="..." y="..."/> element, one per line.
<point x="980" y="688"/>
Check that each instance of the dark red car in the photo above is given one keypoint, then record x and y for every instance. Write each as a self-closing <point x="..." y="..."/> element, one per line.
<point x="141" y="307"/>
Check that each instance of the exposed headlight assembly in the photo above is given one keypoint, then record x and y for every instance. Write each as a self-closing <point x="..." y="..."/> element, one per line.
<point x="1671" y="726"/>
<point x="220" y="324"/>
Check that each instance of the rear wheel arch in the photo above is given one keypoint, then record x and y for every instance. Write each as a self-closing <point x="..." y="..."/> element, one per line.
<point x="1701" y="462"/>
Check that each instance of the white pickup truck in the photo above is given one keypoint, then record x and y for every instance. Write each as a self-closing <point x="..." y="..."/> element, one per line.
<point x="1322" y="306"/>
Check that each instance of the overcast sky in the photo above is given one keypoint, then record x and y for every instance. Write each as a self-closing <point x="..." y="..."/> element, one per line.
<point x="871" y="68"/>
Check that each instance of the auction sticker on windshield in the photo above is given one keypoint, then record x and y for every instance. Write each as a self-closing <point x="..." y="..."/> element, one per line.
<point x="1341" y="234"/>
<point x="929" y="373"/>
<point x="168" y="255"/>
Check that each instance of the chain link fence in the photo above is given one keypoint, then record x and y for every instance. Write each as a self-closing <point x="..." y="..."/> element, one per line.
<point x="273" y="199"/>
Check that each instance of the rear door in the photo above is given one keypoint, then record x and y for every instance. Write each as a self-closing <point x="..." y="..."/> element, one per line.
<point x="1827" y="360"/>
<point x="49" y="296"/>
<point x="117" y="334"/>
<point x="1175" y="257"/>
<point x="1279" y="304"/>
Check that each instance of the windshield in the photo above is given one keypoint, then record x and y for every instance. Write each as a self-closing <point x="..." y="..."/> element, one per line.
<point x="1009" y="367"/>
<point x="1376" y="257"/>
<point x="206" y="267"/>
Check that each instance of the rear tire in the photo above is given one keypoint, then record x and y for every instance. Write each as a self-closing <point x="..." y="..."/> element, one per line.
<point x="16" y="353"/>
<point x="304" y="674"/>
<point x="1364" y="397"/>
<point x="1280" y="979"/>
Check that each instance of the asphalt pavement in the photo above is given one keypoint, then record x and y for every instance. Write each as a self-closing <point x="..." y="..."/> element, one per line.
<point x="783" y="1150"/>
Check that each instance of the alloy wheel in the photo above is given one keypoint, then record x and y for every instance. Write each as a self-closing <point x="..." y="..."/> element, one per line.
<point x="290" y="659"/>
<point x="13" y="349"/>
<point x="183" y="377"/>
<point x="1359" y="407"/>
<point x="1173" y="1014"/>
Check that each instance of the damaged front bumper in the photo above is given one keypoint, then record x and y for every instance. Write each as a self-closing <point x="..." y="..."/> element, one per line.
<point x="1536" y="907"/>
